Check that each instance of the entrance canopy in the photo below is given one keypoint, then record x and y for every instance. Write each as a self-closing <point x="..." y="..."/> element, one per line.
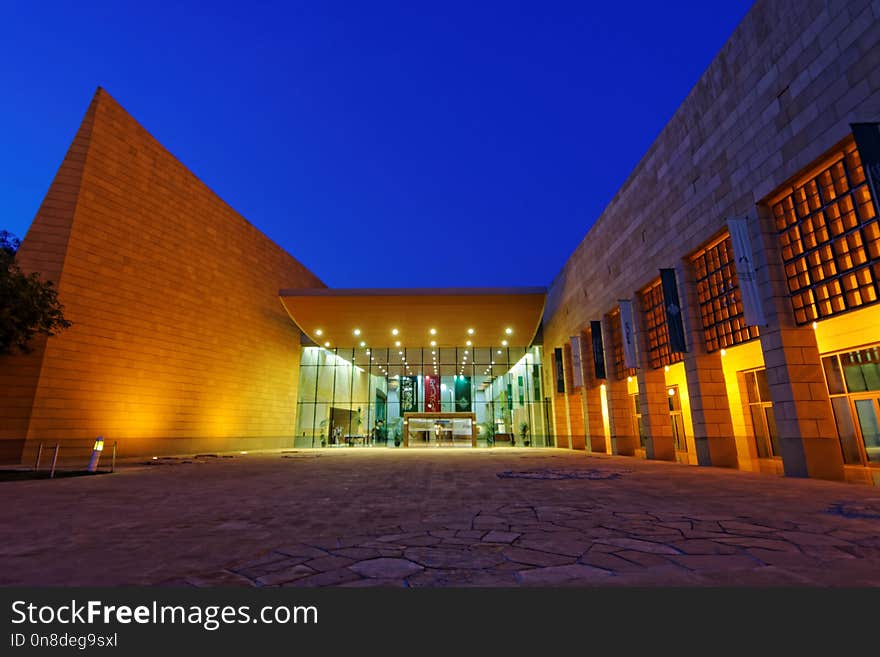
<point x="443" y="317"/>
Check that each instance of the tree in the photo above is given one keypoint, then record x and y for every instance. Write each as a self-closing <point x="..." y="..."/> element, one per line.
<point x="28" y="306"/>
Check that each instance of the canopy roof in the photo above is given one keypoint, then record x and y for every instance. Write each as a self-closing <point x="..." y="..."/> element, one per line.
<point x="485" y="316"/>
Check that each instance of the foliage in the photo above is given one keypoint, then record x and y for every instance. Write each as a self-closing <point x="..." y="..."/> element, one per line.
<point x="28" y="305"/>
<point x="488" y="430"/>
<point x="523" y="432"/>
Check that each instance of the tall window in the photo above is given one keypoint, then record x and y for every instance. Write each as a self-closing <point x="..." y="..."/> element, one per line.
<point x="721" y="310"/>
<point x="679" y="438"/>
<point x="657" y="331"/>
<point x="621" y="371"/>
<point x="761" y="413"/>
<point x="830" y="239"/>
<point x="638" y="425"/>
<point x="853" y="379"/>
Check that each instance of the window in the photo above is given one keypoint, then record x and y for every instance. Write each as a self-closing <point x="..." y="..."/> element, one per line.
<point x="657" y="332"/>
<point x="638" y="427"/>
<point x="853" y="379"/>
<point x="678" y="436"/>
<point x="721" y="310"/>
<point x="621" y="371"/>
<point x="760" y="408"/>
<point x="830" y="239"/>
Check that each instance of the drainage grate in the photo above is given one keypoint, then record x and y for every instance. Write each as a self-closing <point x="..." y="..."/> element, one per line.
<point x="557" y="474"/>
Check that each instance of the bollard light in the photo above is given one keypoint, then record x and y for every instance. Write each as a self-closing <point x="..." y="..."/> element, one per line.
<point x="96" y="453"/>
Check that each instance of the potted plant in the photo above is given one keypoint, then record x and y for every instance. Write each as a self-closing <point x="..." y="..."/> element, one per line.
<point x="488" y="430"/>
<point x="524" y="432"/>
<point x="323" y="425"/>
<point x="395" y="427"/>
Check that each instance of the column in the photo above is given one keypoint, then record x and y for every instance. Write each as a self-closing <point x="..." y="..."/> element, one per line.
<point x="620" y="420"/>
<point x="652" y="396"/>
<point x="804" y="418"/>
<point x="710" y="408"/>
<point x="591" y="403"/>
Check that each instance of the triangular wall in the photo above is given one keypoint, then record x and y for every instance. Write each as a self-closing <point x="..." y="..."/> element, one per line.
<point x="179" y="342"/>
<point x="43" y="250"/>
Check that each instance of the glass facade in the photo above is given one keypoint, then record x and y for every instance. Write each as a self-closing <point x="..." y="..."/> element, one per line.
<point x="428" y="395"/>
<point x="853" y="379"/>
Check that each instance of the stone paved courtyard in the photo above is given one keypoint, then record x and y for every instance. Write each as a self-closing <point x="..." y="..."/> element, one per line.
<point x="501" y="517"/>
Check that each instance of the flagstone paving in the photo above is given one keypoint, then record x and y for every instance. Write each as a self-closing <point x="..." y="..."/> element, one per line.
<point x="413" y="518"/>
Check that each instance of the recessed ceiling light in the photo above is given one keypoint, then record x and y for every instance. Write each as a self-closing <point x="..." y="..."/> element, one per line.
<point x="433" y="331"/>
<point x="357" y="331"/>
<point x="319" y="332"/>
<point x="504" y="343"/>
<point x="508" y="330"/>
<point x="468" y="343"/>
<point x="364" y="344"/>
<point x="499" y="351"/>
<point x="433" y="343"/>
<point x="400" y="353"/>
<point x="470" y="331"/>
<point x="397" y="344"/>
<point x="326" y="344"/>
<point x="394" y="331"/>
<point x="493" y="362"/>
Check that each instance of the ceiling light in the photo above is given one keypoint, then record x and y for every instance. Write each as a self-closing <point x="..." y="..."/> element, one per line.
<point x="400" y="353"/>
<point x="499" y="351"/>
<point x="508" y="330"/>
<point x="394" y="331"/>
<point x="326" y="344"/>
<point x="397" y="343"/>
<point x="319" y="332"/>
<point x="433" y="343"/>
<point x="468" y="343"/>
<point x="357" y="331"/>
<point x="493" y="362"/>
<point x="364" y="344"/>
<point x="433" y="331"/>
<point x="470" y="331"/>
<point x="504" y="343"/>
<point x="671" y="392"/>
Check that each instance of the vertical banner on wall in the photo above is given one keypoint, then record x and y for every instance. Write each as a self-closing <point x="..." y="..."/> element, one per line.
<point x="867" y="136"/>
<point x="560" y="371"/>
<point x="598" y="350"/>
<point x="463" y="394"/>
<point x="672" y="305"/>
<point x="627" y="331"/>
<point x="432" y="394"/>
<point x="576" y="370"/>
<point x="753" y="312"/>
<point x="409" y="395"/>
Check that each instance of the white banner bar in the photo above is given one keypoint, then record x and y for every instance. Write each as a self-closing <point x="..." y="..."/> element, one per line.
<point x="576" y="368"/>
<point x="745" y="271"/>
<point x="627" y="330"/>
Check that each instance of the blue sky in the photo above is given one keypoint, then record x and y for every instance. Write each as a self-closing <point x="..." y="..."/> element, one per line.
<point x="382" y="144"/>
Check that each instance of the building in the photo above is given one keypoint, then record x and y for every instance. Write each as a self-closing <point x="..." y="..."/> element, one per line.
<point x="723" y="310"/>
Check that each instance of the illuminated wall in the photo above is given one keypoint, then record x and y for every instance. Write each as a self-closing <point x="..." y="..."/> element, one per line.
<point x="179" y="342"/>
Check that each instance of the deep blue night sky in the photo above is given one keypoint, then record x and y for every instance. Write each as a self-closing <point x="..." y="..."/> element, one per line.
<point x="382" y="144"/>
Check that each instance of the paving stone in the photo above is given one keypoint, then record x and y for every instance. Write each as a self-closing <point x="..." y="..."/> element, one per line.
<point x="500" y="537"/>
<point x="328" y="578"/>
<point x="328" y="563"/>
<point x="570" y="575"/>
<point x="284" y="576"/>
<point x="715" y="561"/>
<point x="536" y="557"/>
<point x="300" y="550"/>
<point x="386" y="568"/>
<point x="443" y="557"/>
<point x="702" y="546"/>
<point x="357" y="553"/>
<point x="569" y="544"/>
<point x="220" y="578"/>
<point x="639" y="545"/>
<point x="609" y="562"/>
